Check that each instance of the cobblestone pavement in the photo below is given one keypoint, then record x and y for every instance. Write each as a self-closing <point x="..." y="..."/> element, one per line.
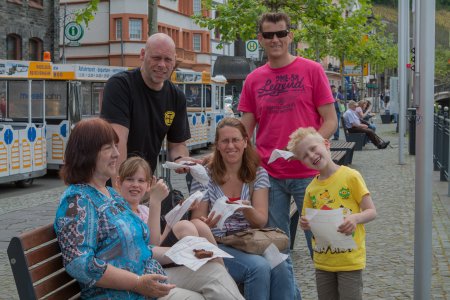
<point x="390" y="238"/>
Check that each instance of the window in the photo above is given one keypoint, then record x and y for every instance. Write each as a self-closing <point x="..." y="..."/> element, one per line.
<point x="97" y="97"/>
<point x="184" y="7"/>
<point x="13" y="47"/>
<point x="55" y="100"/>
<point x="135" y="26"/>
<point x="35" y="49"/>
<point x="186" y="40"/>
<point x="197" y="42"/>
<point x="197" y="7"/>
<point x="118" y="29"/>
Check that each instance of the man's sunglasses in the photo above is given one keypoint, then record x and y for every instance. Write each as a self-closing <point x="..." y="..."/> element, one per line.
<point x="280" y="34"/>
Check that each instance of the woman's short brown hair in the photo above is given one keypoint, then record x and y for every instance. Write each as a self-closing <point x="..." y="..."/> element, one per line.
<point x="85" y="142"/>
<point x="250" y="159"/>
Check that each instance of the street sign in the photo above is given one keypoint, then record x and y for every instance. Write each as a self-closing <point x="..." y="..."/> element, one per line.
<point x="353" y="69"/>
<point x="73" y="44"/>
<point x="73" y="31"/>
<point x="252" y="49"/>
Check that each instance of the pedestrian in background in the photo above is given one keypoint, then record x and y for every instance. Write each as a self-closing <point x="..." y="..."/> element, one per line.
<point x="286" y="93"/>
<point x="337" y="106"/>
<point x="353" y="124"/>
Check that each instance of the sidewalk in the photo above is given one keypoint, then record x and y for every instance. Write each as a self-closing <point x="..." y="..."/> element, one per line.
<point x="390" y="238"/>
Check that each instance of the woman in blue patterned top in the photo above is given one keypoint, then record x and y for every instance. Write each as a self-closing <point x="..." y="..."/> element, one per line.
<point x="234" y="171"/>
<point x="105" y="246"/>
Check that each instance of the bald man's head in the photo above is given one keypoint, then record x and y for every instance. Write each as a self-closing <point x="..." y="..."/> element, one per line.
<point x="158" y="39"/>
<point x="158" y="60"/>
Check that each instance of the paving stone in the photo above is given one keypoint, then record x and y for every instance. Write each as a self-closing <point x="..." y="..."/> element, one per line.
<point x="389" y="238"/>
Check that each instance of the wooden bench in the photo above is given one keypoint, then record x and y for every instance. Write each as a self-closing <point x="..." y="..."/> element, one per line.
<point x="294" y="216"/>
<point x="37" y="266"/>
<point x="358" y="138"/>
<point x="348" y="147"/>
<point x="338" y="156"/>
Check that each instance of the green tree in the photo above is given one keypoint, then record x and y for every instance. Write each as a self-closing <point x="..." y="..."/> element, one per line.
<point x="442" y="65"/>
<point x="328" y="28"/>
<point x="86" y="14"/>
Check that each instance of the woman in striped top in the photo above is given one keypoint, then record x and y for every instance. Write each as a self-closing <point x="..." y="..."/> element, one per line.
<point x="235" y="173"/>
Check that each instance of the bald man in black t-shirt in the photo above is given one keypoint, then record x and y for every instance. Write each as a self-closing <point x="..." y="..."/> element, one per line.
<point x="143" y="106"/>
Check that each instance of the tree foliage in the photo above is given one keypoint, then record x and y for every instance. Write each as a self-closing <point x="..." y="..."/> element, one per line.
<point x="442" y="65"/>
<point x="336" y="28"/>
<point x="86" y="14"/>
<point x="328" y="27"/>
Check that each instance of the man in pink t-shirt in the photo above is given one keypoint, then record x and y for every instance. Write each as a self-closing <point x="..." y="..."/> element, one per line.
<point x="286" y="93"/>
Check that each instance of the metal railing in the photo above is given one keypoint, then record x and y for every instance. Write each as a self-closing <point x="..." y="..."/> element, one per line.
<point x="441" y="147"/>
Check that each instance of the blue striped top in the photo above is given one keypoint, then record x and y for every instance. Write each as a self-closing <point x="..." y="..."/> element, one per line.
<point x="212" y="190"/>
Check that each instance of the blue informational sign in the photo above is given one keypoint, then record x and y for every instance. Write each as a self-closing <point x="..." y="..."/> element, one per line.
<point x="348" y="83"/>
<point x="218" y="118"/>
<point x="9" y="136"/>
<point x="63" y="130"/>
<point x="31" y="134"/>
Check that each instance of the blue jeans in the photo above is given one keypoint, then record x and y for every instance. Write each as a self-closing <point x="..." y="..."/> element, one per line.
<point x="280" y="193"/>
<point x="260" y="282"/>
<point x="336" y="134"/>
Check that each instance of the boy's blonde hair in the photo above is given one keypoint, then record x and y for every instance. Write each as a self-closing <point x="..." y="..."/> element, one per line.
<point x="298" y="135"/>
<point x="130" y="166"/>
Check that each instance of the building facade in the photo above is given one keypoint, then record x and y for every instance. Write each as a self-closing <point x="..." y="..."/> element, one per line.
<point x="120" y="29"/>
<point x="28" y="28"/>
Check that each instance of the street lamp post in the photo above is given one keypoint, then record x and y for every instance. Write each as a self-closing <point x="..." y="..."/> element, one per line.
<point x="73" y="32"/>
<point x="152" y="17"/>
<point x="64" y="35"/>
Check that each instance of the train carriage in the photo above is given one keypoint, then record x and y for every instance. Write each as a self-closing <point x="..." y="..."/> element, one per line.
<point x="40" y="102"/>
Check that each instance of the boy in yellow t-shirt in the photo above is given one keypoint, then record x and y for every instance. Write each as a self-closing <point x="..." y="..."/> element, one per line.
<point x="338" y="271"/>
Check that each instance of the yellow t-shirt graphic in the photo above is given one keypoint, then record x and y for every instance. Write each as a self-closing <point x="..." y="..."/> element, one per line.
<point x="344" y="189"/>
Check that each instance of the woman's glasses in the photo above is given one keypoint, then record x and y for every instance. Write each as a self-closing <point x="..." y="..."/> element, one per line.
<point x="280" y="34"/>
<point x="234" y="141"/>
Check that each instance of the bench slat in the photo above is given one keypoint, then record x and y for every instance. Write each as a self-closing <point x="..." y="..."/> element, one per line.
<point x="292" y="209"/>
<point x="46" y="287"/>
<point x="69" y="291"/>
<point x="338" y="156"/>
<point x="40" y="254"/>
<point x="348" y="147"/>
<point x="294" y="216"/>
<point x="47" y="268"/>
<point x="38" y="236"/>
<point x="35" y="256"/>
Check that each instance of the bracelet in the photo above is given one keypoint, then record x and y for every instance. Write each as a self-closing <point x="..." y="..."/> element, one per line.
<point x="137" y="283"/>
<point x="177" y="158"/>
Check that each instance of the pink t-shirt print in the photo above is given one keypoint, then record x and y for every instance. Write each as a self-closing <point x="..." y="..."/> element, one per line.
<point x="282" y="100"/>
